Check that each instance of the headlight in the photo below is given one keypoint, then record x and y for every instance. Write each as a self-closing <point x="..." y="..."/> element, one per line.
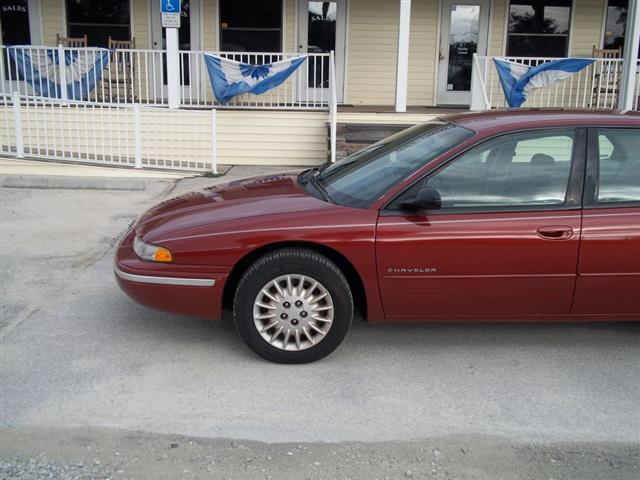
<point x="146" y="251"/>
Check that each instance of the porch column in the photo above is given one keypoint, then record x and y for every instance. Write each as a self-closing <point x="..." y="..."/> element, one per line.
<point x="632" y="34"/>
<point x="402" y="72"/>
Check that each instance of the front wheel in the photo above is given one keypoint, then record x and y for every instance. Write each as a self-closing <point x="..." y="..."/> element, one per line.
<point x="293" y="306"/>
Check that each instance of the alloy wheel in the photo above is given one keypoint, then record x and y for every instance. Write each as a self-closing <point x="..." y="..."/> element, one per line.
<point x="293" y="312"/>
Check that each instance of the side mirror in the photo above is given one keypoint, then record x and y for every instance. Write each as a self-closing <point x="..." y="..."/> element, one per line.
<point x="428" y="198"/>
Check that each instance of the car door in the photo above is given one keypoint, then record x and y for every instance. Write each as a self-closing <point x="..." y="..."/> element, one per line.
<point x="505" y="239"/>
<point x="609" y="268"/>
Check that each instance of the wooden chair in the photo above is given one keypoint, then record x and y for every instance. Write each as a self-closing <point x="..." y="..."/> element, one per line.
<point x="118" y="80"/>
<point x="606" y="52"/>
<point x="122" y="44"/>
<point x="606" y="76"/>
<point x="78" y="42"/>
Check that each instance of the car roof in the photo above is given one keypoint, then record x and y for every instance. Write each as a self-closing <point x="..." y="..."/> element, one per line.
<point x="518" y="119"/>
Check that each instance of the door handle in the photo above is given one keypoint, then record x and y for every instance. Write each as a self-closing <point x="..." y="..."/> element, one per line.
<point x="557" y="232"/>
<point x="442" y="55"/>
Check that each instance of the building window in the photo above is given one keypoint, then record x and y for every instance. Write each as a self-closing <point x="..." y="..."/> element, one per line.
<point x="16" y="30"/>
<point x="616" y="24"/>
<point x="250" y="26"/>
<point x="14" y="16"/>
<point x="99" y="20"/>
<point x="538" y="28"/>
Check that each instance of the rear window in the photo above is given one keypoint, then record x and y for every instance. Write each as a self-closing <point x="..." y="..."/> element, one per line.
<point x="619" y="165"/>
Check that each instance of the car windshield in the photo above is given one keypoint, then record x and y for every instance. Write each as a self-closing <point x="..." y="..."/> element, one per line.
<point x="361" y="178"/>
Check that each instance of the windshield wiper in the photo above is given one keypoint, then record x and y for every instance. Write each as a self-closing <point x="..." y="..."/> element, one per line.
<point x="316" y="181"/>
<point x="303" y="178"/>
<point x="322" y="168"/>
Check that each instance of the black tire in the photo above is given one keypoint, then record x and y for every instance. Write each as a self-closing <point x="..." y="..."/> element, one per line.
<point x="293" y="261"/>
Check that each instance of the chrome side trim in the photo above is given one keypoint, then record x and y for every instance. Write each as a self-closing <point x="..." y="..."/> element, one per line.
<point x="185" y="282"/>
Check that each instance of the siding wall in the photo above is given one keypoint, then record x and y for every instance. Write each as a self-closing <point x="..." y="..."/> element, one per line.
<point x="208" y="11"/>
<point x="372" y="47"/>
<point x="289" y="25"/>
<point x="423" y="47"/>
<point x="52" y="20"/>
<point x="272" y="138"/>
<point x="496" y="43"/>
<point x="587" y="26"/>
<point x="243" y="137"/>
<point x="142" y="23"/>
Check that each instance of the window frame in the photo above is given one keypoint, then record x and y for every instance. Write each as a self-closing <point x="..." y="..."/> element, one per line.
<point x="220" y="30"/>
<point x="35" y="22"/>
<point x="605" y="19"/>
<point x="573" y="197"/>
<point x="592" y="175"/>
<point x="68" y="23"/>
<point x="603" y="33"/>
<point x="507" y="17"/>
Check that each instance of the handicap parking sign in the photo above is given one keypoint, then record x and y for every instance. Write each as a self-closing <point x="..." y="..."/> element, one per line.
<point x="170" y="13"/>
<point x="170" y="6"/>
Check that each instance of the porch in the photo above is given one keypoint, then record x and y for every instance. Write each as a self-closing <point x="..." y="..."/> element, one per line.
<point x="386" y="64"/>
<point x="387" y="52"/>
<point x="280" y="128"/>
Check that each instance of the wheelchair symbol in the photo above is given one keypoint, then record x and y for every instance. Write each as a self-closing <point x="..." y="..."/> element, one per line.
<point x="169" y="7"/>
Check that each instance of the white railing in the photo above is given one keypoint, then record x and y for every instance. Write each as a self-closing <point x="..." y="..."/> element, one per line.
<point x="140" y="76"/>
<point x="595" y="87"/>
<point x="307" y="88"/>
<point x="122" y="76"/>
<point x="116" y="134"/>
<point x="112" y="115"/>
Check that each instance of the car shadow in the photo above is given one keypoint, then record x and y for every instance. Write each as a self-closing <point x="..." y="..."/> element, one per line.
<point x="381" y="338"/>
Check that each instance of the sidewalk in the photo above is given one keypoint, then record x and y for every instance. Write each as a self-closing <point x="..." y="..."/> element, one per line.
<point x="12" y="166"/>
<point x="20" y="173"/>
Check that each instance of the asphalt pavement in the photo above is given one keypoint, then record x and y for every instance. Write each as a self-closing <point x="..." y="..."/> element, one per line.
<point x="83" y="369"/>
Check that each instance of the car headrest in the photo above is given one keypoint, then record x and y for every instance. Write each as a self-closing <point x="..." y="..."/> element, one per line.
<point x="502" y="154"/>
<point x="542" y="160"/>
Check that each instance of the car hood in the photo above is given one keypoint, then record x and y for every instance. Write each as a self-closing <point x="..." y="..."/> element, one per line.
<point x="231" y="203"/>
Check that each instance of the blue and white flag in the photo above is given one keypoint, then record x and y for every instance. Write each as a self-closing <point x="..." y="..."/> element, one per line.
<point x="519" y="80"/>
<point x="229" y="78"/>
<point x="41" y="69"/>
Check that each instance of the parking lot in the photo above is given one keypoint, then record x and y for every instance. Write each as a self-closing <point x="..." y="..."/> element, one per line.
<point x="87" y="374"/>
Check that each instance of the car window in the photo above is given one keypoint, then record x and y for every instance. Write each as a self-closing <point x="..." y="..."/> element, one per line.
<point x="619" y="167"/>
<point x="515" y="170"/>
<point x="361" y="178"/>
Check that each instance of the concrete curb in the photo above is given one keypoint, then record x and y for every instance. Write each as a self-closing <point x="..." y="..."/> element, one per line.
<point x="84" y="183"/>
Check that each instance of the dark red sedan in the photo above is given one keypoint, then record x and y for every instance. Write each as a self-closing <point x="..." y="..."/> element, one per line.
<point x="511" y="216"/>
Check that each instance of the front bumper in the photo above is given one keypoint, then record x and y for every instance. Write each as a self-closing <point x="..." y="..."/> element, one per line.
<point x="183" y="289"/>
<point x="154" y="280"/>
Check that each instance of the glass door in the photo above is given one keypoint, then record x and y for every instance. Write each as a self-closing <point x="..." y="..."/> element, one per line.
<point x="322" y="29"/>
<point x="463" y="32"/>
<point x="188" y="39"/>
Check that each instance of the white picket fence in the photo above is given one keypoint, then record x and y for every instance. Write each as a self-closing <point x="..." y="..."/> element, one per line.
<point x="140" y="76"/>
<point x="89" y="132"/>
<point x="595" y="87"/>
